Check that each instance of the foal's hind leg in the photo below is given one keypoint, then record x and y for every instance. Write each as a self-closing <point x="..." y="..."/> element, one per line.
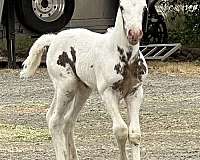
<point x="52" y="106"/>
<point x="71" y="115"/>
<point x="120" y="129"/>
<point x="65" y="92"/>
<point x="133" y="102"/>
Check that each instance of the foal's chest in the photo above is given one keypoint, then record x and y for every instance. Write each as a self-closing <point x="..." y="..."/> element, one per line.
<point x="133" y="75"/>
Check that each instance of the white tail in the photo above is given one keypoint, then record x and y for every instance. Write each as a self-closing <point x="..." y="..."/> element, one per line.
<point x="35" y="54"/>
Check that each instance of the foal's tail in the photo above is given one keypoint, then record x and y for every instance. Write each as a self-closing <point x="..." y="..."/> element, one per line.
<point x="35" y="54"/>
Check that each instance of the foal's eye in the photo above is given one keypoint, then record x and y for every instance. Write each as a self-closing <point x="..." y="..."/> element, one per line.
<point x="121" y="8"/>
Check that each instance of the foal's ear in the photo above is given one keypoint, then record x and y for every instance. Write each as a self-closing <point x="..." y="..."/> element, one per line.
<point x="144" y="19"/>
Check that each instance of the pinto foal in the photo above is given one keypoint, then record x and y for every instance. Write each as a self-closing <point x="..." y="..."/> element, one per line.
<point x="78" y="61"/>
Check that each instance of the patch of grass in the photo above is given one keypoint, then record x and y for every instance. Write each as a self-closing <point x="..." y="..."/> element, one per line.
<point x="22" y="133"/>
<point x="172" y="98"/>
<point x="183" y="68"/>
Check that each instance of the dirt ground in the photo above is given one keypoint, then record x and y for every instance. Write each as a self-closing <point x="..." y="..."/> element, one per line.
<point x="170" y="119"/>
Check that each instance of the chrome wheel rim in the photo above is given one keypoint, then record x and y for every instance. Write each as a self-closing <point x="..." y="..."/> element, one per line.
<point x="48" y="10"/>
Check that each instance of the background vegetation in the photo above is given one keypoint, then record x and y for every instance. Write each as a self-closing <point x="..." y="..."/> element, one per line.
<point x="183" y="21"/>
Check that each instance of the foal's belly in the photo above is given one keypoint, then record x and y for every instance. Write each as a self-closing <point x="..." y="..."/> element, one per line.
<point x="85" y="70"/>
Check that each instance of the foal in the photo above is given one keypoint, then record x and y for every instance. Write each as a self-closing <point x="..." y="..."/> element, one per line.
<point x="78" y="61"/>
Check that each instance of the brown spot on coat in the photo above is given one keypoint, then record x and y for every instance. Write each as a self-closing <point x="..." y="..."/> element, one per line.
<point x="117" y="67"/>
<point x="73" y="53"/>
<point x="123" y="58"/>
<point x="138" y="67"/>
<point x="129" y="53"/>
<point x="64" y="59"/>
<point x="120" y="50"/>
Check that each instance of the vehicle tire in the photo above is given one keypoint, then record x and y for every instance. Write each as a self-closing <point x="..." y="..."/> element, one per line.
<point x="156" y="32"/>
<point x="44" y="16"/>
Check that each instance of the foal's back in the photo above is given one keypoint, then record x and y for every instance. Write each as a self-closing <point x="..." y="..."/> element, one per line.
<point x="81" y="39"/>
<point x="78" y="46"/>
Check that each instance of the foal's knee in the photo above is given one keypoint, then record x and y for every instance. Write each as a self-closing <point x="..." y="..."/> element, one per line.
<point x="55" y="124"/>
<point x="121" y="132"/>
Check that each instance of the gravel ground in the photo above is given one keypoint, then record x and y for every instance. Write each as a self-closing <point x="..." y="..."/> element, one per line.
<point x="169" y="120"/>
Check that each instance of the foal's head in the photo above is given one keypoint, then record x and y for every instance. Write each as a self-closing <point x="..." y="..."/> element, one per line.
<point x="132" y="12"/>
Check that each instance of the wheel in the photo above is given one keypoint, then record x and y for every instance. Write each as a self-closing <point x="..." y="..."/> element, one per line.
<point x="43" y="16"/>
<point x="156" y="31"/>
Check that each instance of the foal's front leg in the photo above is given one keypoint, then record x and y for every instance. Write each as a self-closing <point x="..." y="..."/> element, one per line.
<point x="134" y="134"/>
<point x="120" y="128"/>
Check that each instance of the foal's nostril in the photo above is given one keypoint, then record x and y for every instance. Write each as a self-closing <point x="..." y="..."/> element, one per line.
<point x="131" y="33"/>
<point x="135" y="34"/>
<point x="140" y="34"/>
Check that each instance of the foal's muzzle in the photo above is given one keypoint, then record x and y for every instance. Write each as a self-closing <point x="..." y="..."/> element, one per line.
<point x="134" y="36"/>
